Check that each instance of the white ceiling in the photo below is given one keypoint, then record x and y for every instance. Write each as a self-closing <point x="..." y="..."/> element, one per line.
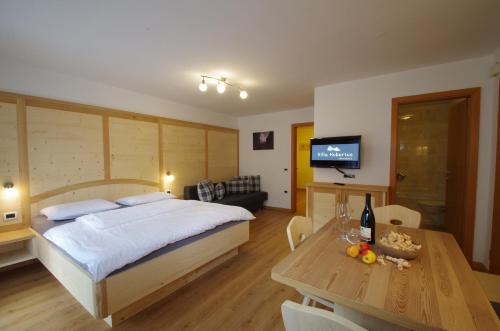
<point x="279" y="50"/>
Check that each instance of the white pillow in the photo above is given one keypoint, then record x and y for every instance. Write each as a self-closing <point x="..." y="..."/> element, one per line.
<point x="66" y="211"/>
<point x="144" y="198"/>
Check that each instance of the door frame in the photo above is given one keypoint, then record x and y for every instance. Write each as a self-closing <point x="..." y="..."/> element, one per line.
<point x="474" y="95"/>
<point x="293" y="167"/>
<point x="495" y="222"/>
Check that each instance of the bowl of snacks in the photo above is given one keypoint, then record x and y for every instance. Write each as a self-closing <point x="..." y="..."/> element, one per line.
<point x="399" y="245"/>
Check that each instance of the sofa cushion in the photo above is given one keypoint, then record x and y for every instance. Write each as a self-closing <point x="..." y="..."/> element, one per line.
<point x="237" y="186"/>
<point x="220" y="191"/>
<point x="253" y="182"/>
<point x="206" y="190"/>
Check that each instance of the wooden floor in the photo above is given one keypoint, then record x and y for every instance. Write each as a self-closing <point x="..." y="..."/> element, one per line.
<point x="238" y="295"/>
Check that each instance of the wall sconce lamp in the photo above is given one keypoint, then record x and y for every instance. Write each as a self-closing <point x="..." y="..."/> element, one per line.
<point x="169" y="178"/>
<point x="9" y="190"/>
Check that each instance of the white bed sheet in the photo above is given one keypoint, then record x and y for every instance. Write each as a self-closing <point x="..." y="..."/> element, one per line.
<point x="107" y="241"/>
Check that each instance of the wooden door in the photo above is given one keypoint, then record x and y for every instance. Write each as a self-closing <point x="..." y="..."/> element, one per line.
<point x="473" y="113"/>
<point x="495" y="231"/>
<point x="456" y="170"/>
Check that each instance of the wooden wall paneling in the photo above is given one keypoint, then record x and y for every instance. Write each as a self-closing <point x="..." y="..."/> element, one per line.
<point x="64" y="148"/>
<point x="117" y="191"/>
<point x="206" y="153"/>
<point x="105" y="143"/>
<point x="134" y="149"/>
<point x="9" y="97"/>
<point x="161" y="155"/>
<point x="9" y="164"/>
<point x="222" y="155"/>
<point x="170" y="121"/>
<point x="237" y="153"/>
<point x="107" y="191"/>
<point x="22" y="146"/>
<point x="184" y="150"/>
<point x="89" y="109"/>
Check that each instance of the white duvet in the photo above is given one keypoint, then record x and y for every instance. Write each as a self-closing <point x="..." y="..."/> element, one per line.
<point x="107" y="241"/>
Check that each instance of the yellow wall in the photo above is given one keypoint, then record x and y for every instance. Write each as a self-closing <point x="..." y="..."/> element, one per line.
<point x="304" y="171"/>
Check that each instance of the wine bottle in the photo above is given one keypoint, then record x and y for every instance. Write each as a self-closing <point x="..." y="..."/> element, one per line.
<point x="367" y="229"/>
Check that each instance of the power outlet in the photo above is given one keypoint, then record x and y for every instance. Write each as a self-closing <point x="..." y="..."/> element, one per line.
<point x="10" y="216"/>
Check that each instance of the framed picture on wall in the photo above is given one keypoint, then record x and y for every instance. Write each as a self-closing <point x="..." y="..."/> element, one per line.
<point x="263" y="140"/>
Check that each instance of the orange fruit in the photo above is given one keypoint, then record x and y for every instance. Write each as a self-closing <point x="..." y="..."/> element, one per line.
<point x="352" y="251"/>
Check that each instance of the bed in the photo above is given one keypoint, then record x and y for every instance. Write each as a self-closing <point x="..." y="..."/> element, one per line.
<point x="129" y="289"/>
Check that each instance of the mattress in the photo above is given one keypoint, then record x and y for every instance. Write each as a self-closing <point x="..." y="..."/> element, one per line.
<point x="40" y="224"/>
<point x="109" y="242"/>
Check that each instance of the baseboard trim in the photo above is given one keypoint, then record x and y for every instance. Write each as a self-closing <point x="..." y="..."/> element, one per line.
<point x="478" y="266"/>
<point x="288" y="210"/>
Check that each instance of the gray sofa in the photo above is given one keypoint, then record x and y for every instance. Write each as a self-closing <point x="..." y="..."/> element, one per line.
<point x="252" y="201"/>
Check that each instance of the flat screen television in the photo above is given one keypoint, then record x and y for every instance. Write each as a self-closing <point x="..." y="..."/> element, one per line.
<point x="336" y="152"/>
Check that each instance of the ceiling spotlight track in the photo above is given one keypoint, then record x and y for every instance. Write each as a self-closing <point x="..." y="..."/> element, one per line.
<point x="221" y="85"/>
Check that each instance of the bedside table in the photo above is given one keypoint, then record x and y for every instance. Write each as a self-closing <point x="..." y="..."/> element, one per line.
<point x="16" y="246"/>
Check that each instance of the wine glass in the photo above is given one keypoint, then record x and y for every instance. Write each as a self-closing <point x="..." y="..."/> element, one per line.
<point x="343" y="216"/>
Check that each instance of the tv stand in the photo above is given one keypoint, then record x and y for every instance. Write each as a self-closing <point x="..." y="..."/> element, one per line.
<point x="321" y="199"/>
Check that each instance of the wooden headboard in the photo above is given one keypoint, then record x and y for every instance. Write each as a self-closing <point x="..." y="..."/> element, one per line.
<point x="55" y="151"/>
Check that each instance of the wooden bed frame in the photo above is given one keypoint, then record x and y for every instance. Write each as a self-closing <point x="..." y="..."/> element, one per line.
<point x="122" y="295"/>
<point x="61" y="152"/>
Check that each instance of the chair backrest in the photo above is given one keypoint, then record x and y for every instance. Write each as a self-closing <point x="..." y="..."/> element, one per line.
<point x="304" y="318"/>
<point x="397" y="215"/>
<point x="298" y="229"/>
<point x="490" y="284"/>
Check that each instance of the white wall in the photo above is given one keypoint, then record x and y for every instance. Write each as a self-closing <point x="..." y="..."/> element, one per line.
<point x="26" y="79"/>
<point x="270" y="164"/>
<point x="364" y="107"/>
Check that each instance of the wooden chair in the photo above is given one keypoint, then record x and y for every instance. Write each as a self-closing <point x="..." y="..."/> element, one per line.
<point x="298" y="317"/>
<point x="372" y="323"/>
<point x="397" y="215"/>
<point x="298" y="229"/>
<point x="490" y="284"/>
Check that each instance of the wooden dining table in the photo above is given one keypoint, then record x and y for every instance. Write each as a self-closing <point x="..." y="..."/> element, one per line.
<point x="438" y="291"/>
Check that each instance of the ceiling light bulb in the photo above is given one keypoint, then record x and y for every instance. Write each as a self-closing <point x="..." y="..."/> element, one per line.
<point x="203" y="86"/>
<point x="243" y="94"/>
<point x="221" y="87"/>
